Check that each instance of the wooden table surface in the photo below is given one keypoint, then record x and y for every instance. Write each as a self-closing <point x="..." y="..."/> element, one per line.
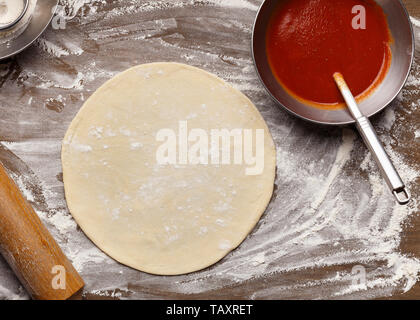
<point x="330" y="212"/>
<point x="411" y="239"/>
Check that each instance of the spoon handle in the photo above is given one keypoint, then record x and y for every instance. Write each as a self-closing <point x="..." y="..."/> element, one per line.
<point x="388" y="170"/>
<point x="371" y="140"/>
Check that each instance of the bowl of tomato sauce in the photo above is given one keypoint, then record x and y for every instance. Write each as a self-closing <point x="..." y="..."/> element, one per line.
<point x="298" y="45"/>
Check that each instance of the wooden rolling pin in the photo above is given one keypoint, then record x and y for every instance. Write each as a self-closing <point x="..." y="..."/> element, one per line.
<point x="30" y="249"/>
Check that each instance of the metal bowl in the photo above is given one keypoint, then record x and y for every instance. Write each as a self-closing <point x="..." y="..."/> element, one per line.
<point x="402" y="58"/>
<point x="13" y="23"/>
<point x="44" y="12"/>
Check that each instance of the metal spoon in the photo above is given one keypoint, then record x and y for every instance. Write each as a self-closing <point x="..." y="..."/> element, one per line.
<point x="371" y="140"/>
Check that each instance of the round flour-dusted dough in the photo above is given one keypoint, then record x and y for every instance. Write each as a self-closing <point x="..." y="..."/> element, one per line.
<point x="162" y="218"/>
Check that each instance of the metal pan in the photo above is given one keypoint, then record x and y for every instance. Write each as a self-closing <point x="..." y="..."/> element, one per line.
<point x="402" y="58"/>
<point x="13" y="23"/>
<point x="44" y="12"/>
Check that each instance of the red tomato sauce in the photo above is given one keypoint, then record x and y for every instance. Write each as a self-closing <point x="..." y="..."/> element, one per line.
<point x="309" y="40"/>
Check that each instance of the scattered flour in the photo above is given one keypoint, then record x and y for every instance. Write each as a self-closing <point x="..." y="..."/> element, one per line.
<point x="10" y="295"/>
<point x="81" y="147"/>
<point x="235" y="4"/>
<point x="341" y="212"/>
<point x="225" y="245"/>
<point x="51" y="48"/>
<point x="136" y="145"/>
<point x="415" y="22"/>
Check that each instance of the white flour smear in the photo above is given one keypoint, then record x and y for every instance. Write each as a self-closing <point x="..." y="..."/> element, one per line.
<point x="415" y="22"/>
<point x="331" y="209"/>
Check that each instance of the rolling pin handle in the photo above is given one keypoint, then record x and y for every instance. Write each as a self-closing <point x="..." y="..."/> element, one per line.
<point x="30" y="250"/>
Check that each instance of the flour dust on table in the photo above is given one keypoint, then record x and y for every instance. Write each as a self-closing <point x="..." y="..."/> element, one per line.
<point x="342" y="214"/>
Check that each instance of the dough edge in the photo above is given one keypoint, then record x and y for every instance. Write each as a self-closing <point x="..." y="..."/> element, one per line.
<point x="119" y="256"/>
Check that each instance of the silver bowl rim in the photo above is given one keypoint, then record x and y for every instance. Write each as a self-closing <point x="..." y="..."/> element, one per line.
<point x="29" y="43"/>
<point x="7" y="26"/>
<point x="344" y="122"/>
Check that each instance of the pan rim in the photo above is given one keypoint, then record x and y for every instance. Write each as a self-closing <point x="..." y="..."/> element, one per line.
<point x="340" y="123"/>
<point x="39" y="33"/>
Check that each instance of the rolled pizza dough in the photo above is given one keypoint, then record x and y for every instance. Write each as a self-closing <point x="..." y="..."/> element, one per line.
<point x="157" y="217"/>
